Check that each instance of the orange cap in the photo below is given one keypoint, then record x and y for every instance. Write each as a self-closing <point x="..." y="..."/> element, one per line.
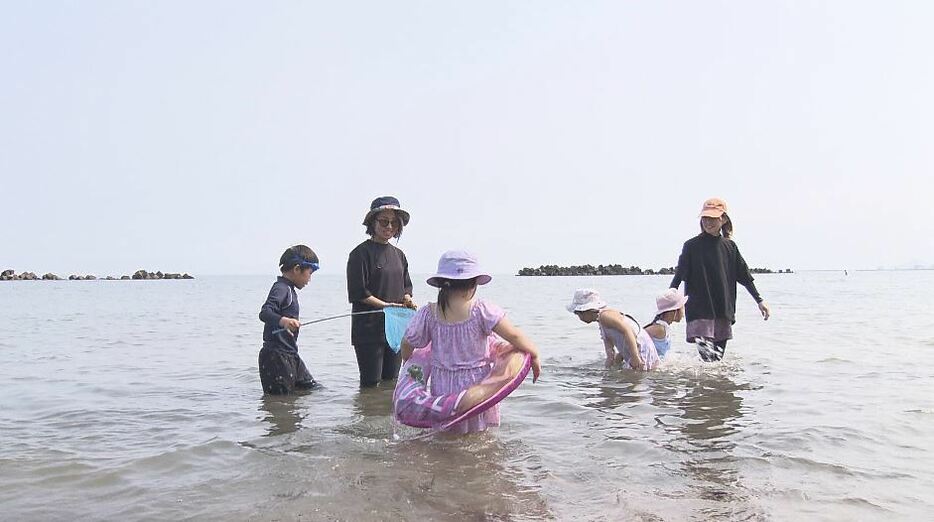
<point x="713" y="207"/>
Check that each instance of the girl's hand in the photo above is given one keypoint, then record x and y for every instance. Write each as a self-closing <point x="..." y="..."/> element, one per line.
<point x="610" y="360"/>
<point x="291" y="325"/>
<point x="638" y="364"/>
<point x="764" y="310"/>
<point x="536" y="368"/>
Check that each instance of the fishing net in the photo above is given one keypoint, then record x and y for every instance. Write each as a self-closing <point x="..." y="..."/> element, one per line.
<point x="397" y="319"/>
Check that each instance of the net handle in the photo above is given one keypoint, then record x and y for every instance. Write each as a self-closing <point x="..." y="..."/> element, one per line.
<point x="329" y="318"/>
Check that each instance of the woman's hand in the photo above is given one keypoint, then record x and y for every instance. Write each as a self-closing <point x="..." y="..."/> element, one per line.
<point x="408" y="302"/>
<point x="764" y="310"/>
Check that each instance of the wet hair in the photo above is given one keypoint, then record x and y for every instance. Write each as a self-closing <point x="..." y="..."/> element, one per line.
<point x="371" y="225"/>
<point x="726" y="230"/>
<point x="448" y="286"/>
<point x="293" y="255"/>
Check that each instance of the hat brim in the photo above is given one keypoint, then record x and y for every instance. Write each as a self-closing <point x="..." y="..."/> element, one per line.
<point x="673" y="307"/>
<point x="711" y="212"/>
<point x="593" y="305"/>
<point x="435" y="280"/>
<point x="402" y="213"/>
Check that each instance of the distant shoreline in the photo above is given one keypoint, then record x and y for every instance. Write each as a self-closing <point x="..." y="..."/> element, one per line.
<point x="865" y="269"/>
<point x="139" y="275"/>
<point x="605" y="270"/>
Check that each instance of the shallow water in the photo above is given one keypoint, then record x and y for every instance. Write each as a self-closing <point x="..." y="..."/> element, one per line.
<point x="141" y="400"/>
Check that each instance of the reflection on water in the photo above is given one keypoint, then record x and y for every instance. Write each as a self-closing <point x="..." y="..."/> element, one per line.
<point x="368" y="474"/>
<point x="702" y="413"/>
<point x="710" y="408"/>
<point x="373" y="402"/>
<point x="282" y="414"/>
<point x="472" y="477"/>
<point x="642" y="428"/>
<point x="371" y="414"/>
<point x="615" y="389"/>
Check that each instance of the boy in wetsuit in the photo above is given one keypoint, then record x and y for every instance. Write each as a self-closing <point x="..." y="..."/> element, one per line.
<point x="281" y="370"/>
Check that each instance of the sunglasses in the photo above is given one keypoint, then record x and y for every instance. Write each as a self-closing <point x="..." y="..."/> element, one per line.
<point x="388" y="222"/>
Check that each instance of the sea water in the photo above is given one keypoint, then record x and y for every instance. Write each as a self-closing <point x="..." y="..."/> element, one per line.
<point x="141" y="400"/>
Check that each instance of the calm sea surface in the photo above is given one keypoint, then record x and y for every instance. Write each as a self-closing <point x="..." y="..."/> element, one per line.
<point x="141" y="400"/>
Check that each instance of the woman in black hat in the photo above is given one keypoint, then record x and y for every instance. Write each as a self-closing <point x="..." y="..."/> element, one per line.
<point x="378" y="277"/>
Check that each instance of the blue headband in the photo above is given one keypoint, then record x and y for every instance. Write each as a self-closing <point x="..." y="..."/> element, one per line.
<point x="304" y="263"/>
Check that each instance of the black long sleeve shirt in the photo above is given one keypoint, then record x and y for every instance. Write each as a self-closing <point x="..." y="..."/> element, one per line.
<point x="281" y="302"/>
<point x="710" y="267"/>
<point x="380" y="270"/>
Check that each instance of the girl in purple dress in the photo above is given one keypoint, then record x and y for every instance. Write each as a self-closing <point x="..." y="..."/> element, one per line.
<point x="458" y="327"/>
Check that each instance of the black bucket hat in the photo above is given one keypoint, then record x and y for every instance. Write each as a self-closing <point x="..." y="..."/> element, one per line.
<point x="385" y="203"/>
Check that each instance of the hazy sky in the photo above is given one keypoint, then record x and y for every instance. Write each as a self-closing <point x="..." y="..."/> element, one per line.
<point x="208" y="136"/>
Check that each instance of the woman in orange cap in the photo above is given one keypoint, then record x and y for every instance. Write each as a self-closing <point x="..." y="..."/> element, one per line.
<point x="710" y="266"/>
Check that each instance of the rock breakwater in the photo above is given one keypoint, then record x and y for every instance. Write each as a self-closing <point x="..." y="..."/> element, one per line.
<point x="11" y="275"/>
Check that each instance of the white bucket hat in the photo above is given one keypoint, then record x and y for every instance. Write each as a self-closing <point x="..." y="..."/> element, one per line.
<point x="671" y="299"/>
<point x="586" y="299"/>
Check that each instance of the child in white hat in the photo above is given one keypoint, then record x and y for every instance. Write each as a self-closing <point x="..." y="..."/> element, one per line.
<point x="623" y="339"/>
<point x="669" y="309"/>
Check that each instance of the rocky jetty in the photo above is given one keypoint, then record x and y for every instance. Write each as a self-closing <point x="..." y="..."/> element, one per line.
<point x="770" y="271"/>
<point x="11" y="275"/>
<point x="590" y="270"/>
<point x="142" y="274"/>
<point x="601" y="270"/>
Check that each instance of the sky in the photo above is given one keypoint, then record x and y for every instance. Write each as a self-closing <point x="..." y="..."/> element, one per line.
<point x="206" y="137"/>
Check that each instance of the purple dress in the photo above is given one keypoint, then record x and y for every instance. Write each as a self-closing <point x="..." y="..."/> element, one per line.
<point x="460" y="354"/>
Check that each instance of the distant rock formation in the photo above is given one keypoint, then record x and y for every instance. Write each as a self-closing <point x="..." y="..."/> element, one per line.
<point x="600" y="270"/>
<point x="142" y="274"/>
<point x="11" y="275"/>
<point x="590" y="270"/>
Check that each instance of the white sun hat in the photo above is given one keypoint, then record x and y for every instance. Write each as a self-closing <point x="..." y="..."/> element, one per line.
<point x="586" y="299"/>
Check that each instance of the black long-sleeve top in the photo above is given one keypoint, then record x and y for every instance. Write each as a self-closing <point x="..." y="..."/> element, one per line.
<point x="710" y="267"/>
<point x="380" y="270"/>
<point x="281" y="302"/>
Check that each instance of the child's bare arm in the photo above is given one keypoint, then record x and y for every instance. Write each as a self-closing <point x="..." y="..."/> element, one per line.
<point x="407" y="350"/>
<point x="610" y="353"/>
<point x="505" y="329"/>
<point x="616" y="322"/>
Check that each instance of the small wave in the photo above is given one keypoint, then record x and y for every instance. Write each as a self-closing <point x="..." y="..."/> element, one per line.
<point x="863" y="503"/>
<point x="834" y="360"/>
<point x="844" y="470"/>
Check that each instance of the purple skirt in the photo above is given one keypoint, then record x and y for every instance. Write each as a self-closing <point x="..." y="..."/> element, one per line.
<point x="711" y="329"/>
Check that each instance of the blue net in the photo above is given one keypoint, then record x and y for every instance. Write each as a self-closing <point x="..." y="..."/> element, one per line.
<point x="397" y="319"/>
